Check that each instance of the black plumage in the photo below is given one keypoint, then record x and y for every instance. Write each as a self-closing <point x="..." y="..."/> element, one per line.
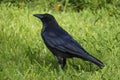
<point x="60" y="43"/>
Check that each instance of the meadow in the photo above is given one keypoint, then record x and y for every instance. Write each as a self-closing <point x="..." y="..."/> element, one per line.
<point x="23" y="55"/>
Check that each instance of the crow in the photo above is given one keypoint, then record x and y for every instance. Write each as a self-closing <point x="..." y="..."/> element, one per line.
<point x="61" y="43"/>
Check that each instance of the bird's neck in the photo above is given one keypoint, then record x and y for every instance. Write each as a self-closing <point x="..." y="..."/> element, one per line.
<point x="50" y="24"/>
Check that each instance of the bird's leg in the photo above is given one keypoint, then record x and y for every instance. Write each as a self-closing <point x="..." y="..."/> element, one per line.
<point x="61" y="61"/>
<point x="64" y="62"/>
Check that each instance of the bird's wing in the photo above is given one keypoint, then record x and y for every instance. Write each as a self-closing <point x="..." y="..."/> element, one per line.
<point x="64" y="43"/>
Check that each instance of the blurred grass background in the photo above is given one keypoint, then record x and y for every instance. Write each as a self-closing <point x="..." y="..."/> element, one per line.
<point x="93" y="23"/>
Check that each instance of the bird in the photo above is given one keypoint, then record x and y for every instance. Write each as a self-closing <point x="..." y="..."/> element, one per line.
<point x="61" y="43"/>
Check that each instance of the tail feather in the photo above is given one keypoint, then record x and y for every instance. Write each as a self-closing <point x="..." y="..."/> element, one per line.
<point x="92" y="59"/>
<point x="95" y="61"/>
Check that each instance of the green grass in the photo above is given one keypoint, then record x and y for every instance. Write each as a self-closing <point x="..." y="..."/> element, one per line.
<point x="23" y="55"/>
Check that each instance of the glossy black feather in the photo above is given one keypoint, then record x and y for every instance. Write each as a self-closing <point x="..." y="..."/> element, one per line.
<point x="60" y="43"/>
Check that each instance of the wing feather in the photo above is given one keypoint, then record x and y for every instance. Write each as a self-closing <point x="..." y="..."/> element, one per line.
<point x="63" y="43"/>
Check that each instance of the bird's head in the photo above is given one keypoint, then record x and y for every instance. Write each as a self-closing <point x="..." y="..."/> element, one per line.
<point x="45" y="18"/>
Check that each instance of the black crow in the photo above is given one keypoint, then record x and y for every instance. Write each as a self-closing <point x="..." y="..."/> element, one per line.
<point x="61" y="43"/>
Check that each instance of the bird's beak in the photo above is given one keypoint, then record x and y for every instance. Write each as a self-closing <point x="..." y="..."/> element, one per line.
<point x="38" y="15"/>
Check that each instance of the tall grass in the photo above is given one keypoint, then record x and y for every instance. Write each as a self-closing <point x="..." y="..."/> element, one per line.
<point x="23" y="55"/>
<point x="66" y="5"/>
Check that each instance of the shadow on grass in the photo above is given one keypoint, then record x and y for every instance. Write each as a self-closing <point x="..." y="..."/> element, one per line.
<point x="82" y="65"/>
<point x="50" y="61"/>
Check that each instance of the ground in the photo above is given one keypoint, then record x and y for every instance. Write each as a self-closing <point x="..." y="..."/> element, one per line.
<point x="23" y="55"/>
